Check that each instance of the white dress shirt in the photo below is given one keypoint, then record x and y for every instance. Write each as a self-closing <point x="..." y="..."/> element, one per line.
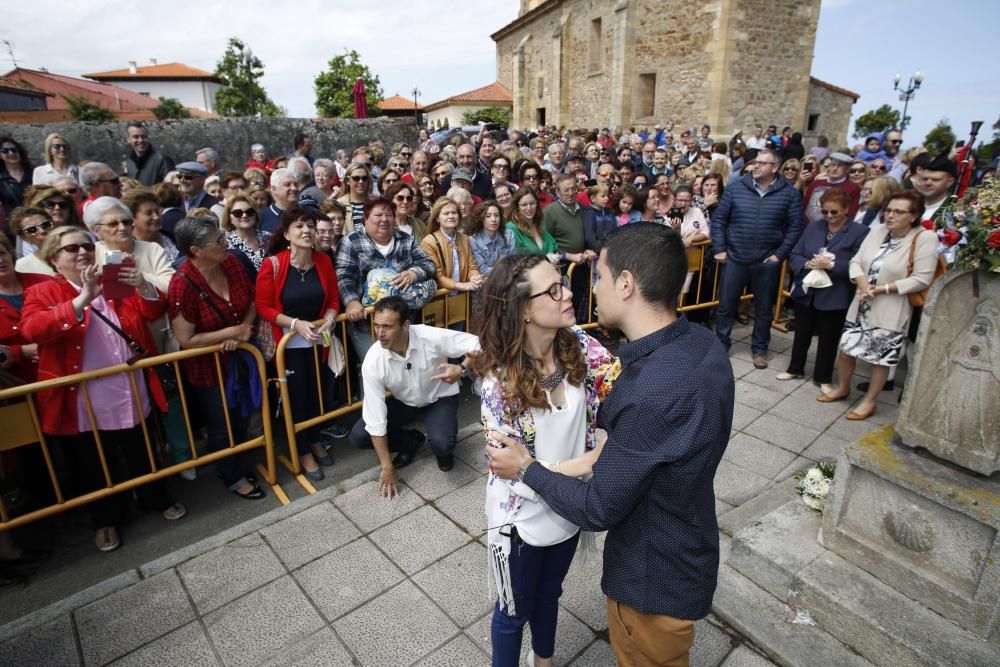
<point x="409" y="378"/>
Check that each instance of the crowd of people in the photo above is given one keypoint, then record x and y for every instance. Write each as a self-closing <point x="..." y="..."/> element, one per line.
<point x="99" y="266"/>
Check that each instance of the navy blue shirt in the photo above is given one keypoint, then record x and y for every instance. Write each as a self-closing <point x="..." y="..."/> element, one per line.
<point x="269" y="216"/>
<point x="668" y="420"/>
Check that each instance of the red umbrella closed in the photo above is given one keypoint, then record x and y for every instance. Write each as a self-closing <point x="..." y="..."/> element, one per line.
<point x="360" y="99"/>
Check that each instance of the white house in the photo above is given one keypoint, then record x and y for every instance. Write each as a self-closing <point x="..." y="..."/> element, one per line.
<point x="449" y="111"/>
<point x="191" y="86"/>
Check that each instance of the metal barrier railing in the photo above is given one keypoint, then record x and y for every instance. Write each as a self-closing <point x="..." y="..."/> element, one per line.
<point x="22" y="428"/>
<point x="443" y="310"/>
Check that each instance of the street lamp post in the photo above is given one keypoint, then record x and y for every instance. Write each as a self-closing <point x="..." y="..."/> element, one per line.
<point x="247" y="62"/>
<point x="416" y="112"/>
<point x="907" y="94"/>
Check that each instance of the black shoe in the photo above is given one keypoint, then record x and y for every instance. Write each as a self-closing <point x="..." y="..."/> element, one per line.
<point x="446" y="462"/>
<point x="405" y="457"/>
<point x="890" y="385"/>
<point x="256" y="493"/>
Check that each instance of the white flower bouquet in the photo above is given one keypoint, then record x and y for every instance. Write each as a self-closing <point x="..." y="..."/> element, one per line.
<point x="814" y="484"/>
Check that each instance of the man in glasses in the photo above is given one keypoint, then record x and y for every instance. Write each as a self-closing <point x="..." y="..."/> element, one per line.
<point x="191" y="183"/>
<point x="756" y="224"/>
<point x="895" y="166"/>
<point x="836" y="177"/>
<point x="467" y="159"/>
<point x="143" y="162"/>
<point x="98" y="180"/>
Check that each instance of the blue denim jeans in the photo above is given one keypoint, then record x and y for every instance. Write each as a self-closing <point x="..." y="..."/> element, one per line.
<point x="763" y="279"/>
<point x="536" y="575"/>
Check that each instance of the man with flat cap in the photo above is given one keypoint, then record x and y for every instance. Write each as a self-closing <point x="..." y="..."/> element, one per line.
<point x="836" y="177"/>
<point x="191" y="184"/>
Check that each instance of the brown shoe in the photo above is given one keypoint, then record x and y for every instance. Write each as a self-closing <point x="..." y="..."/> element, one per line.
<point x="760" y="361"/>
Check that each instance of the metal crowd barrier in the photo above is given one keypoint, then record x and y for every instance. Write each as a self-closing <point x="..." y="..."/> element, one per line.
<point x="22" y="428"/>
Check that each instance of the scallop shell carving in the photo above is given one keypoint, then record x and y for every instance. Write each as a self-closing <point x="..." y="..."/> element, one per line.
<point x="909" y="528"/>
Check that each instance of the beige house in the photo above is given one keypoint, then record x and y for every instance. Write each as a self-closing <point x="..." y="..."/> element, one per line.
<point x="729" y="63"/>
<point x="448" y="112"/>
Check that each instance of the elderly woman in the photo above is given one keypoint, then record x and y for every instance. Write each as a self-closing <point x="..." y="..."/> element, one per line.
<point x="828" y="245"/>
<point x="503" y="193"/>
<point x="464" y="199"/>
<point x="337" y="215"/>
<point x="404" y="198"/>
<point x="858" y="172"/>
<point x="57" y="204"/>
<point x="451" y="249"/>
<point x="32" y="225"/>
<point x="78" y="330"/>
<point x="58" y="154"/>
<point x="298" y="287"/>
<point x="256" y="178"/>
<point x="879" y="315"/>
<point x="530" y="235"/>
<point x="212" y="303"/>
<point x="790" y="169"/>
<point x="358" y="189"/>
<point x="112" y="223"/>
<point x="490" y="241"/>
<point x="16" y="354"/>
<point x="327" y="183"/>
<point x="146" y="227"/>
<point x="259" y="160"/>
<point x="241" y="222"/>
<point x="15" y="174"/>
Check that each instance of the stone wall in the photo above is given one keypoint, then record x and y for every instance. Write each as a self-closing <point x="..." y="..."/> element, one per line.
<point x="730" y="63"/>
<point x="231" y="137"/>
<point x="834" y="111"/>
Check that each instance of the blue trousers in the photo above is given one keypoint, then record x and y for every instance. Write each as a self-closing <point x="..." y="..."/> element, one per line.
<point x="763" y="279"/>
<point x="217" y="435"/>
<point x="536" y="575"/>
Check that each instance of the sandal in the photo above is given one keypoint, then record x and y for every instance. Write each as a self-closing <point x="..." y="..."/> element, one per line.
<point x="107" y="539"/>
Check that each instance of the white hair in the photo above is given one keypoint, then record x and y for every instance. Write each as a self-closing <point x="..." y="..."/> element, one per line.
<point x="258" y="147"/>
<point x="209" y="153"/>
<point x="300" y="169"/>
<point x="279" y="174"/>
<point x="100" y="207"/>
<point x="460" y="195"/>
<point x="90" y="173"/>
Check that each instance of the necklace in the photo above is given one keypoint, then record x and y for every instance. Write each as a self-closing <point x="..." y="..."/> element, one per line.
<point x="302" y="272"/>
<point x="551" y="382"/>
<point x="829" y="236"/>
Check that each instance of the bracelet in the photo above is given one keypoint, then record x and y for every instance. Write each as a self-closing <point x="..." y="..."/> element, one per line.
<point x="887" y="288"/>
<point x="291" y="327"/>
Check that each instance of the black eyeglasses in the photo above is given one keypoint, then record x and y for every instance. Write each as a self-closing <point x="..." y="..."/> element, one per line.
<point x="75" y="247"/>
<point x="556" y="291"/>
<point x="71" y="191"/>
<point x="497" y="165"/>
<point x="241" y="212"/>
<point x="531" y="177"/>
<point x="789" y="169"/>
<point x="877" y="167"/>
<point x="405" y="153"/>
<point x="829" y="212"/>
<point x="403" y="197"/>
<point x="185" y="177"/>
<point x="855" y="171"/>
<point x="60" y="147"/>
<point x="9" y="150"/>
<point x="48" y="203"/>
<point x="34" y="229"/>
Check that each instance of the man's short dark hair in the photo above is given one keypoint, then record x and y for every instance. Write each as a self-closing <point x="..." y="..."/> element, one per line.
<point x="396" y="305"/>
<point x="300" y="139"/>
<point x="655" y="255"/>
<point x="134" y="123"/>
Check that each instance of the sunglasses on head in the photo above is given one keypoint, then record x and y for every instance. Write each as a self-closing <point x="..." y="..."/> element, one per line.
<point x="49" y="203"/>
<point x="75" y="247"/>
<point x="34" y="229"/>
<point x="241" y="212"/>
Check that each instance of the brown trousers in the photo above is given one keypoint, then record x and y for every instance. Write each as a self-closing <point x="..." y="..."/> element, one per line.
<point x="648" y="640"/>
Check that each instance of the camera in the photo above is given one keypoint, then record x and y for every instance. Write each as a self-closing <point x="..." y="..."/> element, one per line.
<point x="675" y="213"/>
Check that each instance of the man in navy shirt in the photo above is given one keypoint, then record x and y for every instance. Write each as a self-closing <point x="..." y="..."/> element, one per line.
<point x="668" y="419"/>
<point x="285" y="191"/>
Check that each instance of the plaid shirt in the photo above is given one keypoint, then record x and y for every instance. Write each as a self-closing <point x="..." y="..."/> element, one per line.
<point x="357" y="255"/>
<point x="185" y="298"/>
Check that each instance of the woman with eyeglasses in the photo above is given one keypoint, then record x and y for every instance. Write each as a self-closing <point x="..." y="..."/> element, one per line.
<point x="78" y="329"/>
<point x="15" y="174"/>
<point x="57" y="162"/>
<point x="530" y="177"/>
<point x="499" y="169"/>
<point x="58" y="205"/>
<point x="858" y="172"/>
<point x="403" y="197"/>
<point x="211" y="302"/>
<point x="503" y="193"/>
<point x="358" y="192"/>
<point x="530" y="235"/>
<point x="32" y="225"/>
<point x="543" y="382"/>
<point x="441" y="169"/>
<point x="425" y="188"/>
<point x="790" y="169"/>
<point x="111" y="221"/>
<point x="244" y="236"/>
<point x="388" y="178"/>
<point x="256" y="178"/>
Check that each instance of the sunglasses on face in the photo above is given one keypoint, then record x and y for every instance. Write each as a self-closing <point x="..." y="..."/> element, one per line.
<point x="531" y="177"/>
<point x="185" y="177"/>
<point x="9" y="150"/>
<point x="790" y="169"/>
<point x="427" y="184"/>
<point x="877" y="167"/>
<point x="856" y="171"/>
<point x="505" y="167"/>
<point x="828" y="212"/>
<point x="34" y="229"/>
<point x="48" y="203"/>
<point x="60" y="147"/>
<point x="241" y="212"/>
<point x="402" y="198"/>
<point x="75" y="247"/>
<point x="405" y="153"/>
<point x="71" y="191"/>
<point x="359" y="179"/>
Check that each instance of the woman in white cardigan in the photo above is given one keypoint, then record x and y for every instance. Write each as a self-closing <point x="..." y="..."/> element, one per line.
<point x="878" y="318"/>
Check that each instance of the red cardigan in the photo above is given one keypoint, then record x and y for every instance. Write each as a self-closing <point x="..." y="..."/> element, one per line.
<point x="269" y="287"/>
<point x="48" y="319"/>
<point x="10" y="329"/>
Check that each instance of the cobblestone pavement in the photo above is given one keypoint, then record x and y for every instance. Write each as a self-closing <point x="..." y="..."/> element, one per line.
<point x="343" y="577"/>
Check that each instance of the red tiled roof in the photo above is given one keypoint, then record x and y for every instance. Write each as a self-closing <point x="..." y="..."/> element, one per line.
<point x="494" y="93"/>
<point x="23" y="87"/>
<point x="164" y="71"/>
<point x="397" y="103"/>
<point x="837" y="89"/>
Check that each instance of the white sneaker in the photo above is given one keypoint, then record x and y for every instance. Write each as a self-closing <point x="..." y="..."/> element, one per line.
<point x="190" y="474"/>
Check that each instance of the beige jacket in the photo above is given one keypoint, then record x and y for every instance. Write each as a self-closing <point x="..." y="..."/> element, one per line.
<point x="893" y="311"/>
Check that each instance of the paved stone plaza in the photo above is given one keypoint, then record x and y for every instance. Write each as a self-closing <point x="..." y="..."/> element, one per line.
<point x="343" y="577"/>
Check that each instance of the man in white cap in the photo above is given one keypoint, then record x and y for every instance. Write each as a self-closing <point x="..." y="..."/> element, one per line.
<point x="836" y="177"/>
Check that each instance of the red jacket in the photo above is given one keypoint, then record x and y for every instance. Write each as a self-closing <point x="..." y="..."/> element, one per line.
<point x="266" y="168"/>
<point x="10" y="329"/>
<point x="269" y="287"/>
<point x="47" y="318"/>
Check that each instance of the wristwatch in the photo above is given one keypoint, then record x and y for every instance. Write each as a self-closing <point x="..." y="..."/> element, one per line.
<point x="523" y="469"/>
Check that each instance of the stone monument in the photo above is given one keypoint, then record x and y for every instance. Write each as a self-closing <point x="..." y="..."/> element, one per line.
<point x="904" y="566"/>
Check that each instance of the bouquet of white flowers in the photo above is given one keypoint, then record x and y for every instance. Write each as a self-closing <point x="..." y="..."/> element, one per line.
<point x="814" y="484"/>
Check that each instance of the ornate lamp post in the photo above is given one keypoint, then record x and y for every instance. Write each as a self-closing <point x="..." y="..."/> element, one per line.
<point x="246" y="59"/>
<point x="416" y="112"/>
<point x="907" y="94"/>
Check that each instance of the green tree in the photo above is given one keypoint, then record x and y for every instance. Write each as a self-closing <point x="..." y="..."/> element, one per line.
<point x="987" y="151"/>
<point x="498" y="115"/>
<point x="878" y="120"/>
<point x="242" y="94"/>
<point x="171" y="107"/>
<point x="940" y="138"/>
<point x="80" y="108"/>
<point x="335" y="87"/>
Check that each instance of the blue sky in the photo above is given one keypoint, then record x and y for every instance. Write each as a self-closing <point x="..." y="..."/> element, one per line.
<point x="445" y="49"/>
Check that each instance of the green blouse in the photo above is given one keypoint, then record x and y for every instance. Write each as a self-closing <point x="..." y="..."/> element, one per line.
<point x="526" y="245"/>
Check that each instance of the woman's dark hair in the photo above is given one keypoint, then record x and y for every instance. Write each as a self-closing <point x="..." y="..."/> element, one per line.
<point x="23" y="154"/>
<point x="475" y="224"/>
<point x="717" y="177"/>
<point x="822" y="141"/>
<point x="654" y="255"/>
<point x="796" y="139"/>
<point x="35" y="195"/>
<point x="386" y="172"/>
<point x="642" y="198"/>
<point x="287" y="219"/>
<point x="138" y="196"/>
<point x="168" y="195"/>
<point x="916" y="204"/>
<point x="501" y="328"/>
<point x="375" y="202"/>
<point x="19" y="214"/>
<point x="684" y="188"/>
<point x="395" y="189"/>
<point x="515" y="211"/>
<point x="525" y="166"/>
<point x="198" y="231"/>
<point x="720" y="148"/>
